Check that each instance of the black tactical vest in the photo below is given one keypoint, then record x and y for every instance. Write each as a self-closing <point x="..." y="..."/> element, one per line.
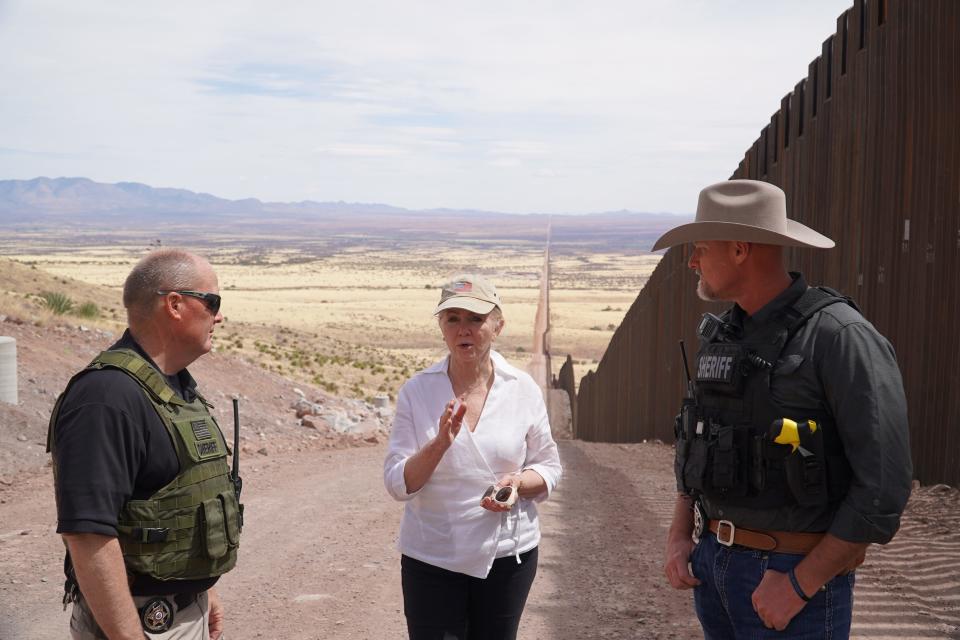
<point x="726" y="431"/>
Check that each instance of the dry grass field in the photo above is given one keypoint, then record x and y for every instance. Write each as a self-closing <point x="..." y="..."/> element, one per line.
<point x="356" y="319"/>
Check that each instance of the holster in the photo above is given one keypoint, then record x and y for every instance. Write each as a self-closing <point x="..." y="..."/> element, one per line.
<point x="806" y="468"/>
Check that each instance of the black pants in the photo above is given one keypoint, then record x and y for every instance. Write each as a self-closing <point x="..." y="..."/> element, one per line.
<point x="446" y="605"/>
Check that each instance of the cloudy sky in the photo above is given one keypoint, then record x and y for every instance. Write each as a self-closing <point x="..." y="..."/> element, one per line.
<point x="547" y="106"/>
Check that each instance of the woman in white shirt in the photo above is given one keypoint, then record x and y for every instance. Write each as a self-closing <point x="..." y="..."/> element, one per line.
<point x="468" y="422"/>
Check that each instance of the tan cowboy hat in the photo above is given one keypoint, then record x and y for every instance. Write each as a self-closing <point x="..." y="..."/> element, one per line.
<point x="744" y="210"/>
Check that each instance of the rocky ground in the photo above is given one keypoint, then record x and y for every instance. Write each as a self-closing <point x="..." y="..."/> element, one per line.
<point x="275" y="415"/>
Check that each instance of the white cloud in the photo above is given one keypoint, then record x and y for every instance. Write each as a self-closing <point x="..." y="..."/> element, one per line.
<point x="361" y="151"/>
<point x="424" y="103"/>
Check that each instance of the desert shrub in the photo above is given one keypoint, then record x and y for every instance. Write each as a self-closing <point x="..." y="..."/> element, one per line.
<point x="596" y="327"/>
<point x="88" y="310"/>
<point x="520" y="350"/>
<point x="59" y="303"/>
<point x="611" y="327"/>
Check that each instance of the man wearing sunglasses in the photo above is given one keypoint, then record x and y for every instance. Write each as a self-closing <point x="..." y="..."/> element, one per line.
<point x="145" y="502"/>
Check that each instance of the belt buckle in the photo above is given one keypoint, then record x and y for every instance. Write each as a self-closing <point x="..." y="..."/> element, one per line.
<point x="730" y="528"/>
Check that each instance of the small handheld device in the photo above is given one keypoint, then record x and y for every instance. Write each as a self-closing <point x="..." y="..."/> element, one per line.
<point x="787" y="431"/>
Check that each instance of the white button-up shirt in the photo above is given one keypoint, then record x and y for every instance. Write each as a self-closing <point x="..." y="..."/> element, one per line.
<point x="443" y="523"/>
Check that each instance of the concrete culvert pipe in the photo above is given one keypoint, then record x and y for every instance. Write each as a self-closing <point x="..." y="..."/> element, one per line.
<point x="8" y="370"/>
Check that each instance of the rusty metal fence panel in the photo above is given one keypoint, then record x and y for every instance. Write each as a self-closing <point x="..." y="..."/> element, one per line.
<point x="867" y="149"/>
<point x="566" y="381"/>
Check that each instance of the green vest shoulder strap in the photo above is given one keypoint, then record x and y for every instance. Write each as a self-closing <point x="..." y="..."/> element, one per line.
<point x="132" y="363"/>
<point x="137" y="366"/>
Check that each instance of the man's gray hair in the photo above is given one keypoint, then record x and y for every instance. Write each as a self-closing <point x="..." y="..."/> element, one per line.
<point x="160" y="270"/>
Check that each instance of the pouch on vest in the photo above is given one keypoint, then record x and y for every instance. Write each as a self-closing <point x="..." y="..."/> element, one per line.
<point x="806" y="468"/>
<point x="231" y="517"/>
<point x="719" y="369"/>
<point x="728" y="463"/>
<point x="680" y="453"/>
<point x="684" y="430"/>
<point x="214" y="531"/>
<point x="758" y="468"/>
<point x="767" y="476"/>
<point x="695" y="468"/>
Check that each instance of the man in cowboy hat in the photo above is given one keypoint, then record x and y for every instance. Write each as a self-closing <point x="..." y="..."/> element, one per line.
<point x="792" y="449"/>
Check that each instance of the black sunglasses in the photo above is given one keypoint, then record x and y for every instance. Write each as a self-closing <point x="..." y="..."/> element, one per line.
<point x="502" y="495"/>
<point x="212" y="300"/>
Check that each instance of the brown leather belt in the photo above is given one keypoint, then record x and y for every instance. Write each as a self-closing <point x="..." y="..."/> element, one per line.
<point x="779" y="541"/>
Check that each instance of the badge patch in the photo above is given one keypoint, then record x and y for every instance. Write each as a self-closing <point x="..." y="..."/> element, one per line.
<point x="717" y="368"/>
<point x="200" y="429"/>
<point x="719" y="363"/>
<point x="208" y="448"/>
<point x="156" y="616"/>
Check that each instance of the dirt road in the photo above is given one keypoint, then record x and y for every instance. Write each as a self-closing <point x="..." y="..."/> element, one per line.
<point x="318" y="558"/>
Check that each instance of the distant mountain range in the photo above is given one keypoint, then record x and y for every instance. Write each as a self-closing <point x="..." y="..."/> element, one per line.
<point x="82" y="204"/>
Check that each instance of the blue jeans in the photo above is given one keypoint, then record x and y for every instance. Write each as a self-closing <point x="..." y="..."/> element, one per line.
<point x="729" y="576"/>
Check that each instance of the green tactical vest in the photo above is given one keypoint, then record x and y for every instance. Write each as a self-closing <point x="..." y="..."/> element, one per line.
<point x="190" y="528"/>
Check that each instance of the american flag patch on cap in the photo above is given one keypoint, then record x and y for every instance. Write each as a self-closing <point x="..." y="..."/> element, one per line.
<point x="463" y="287"/>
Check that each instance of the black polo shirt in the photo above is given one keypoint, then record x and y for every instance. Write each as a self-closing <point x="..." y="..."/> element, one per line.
<point x="838" y="363"/>
<point x="111" y="446"/>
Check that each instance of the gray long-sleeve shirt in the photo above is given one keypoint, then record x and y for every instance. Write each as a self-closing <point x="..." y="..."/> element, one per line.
<point x="839" y="363"/>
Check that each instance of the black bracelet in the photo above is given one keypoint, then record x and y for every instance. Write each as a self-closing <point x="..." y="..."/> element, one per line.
<point x="796" y="585"/>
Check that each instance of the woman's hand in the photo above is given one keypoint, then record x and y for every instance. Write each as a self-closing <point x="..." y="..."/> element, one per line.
<point x="510" y="480"/>
<point x="421" y="465"/>
<point x="451" y="421"/>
